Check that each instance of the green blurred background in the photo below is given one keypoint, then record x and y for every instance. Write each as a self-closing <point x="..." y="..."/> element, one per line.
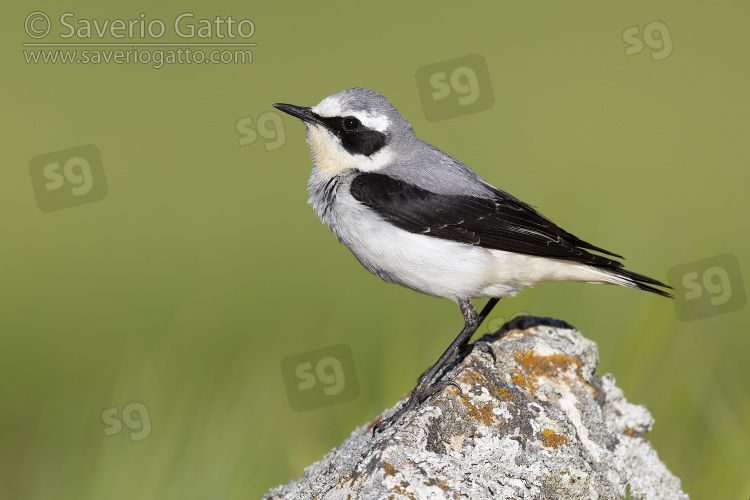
<point x="203" y="267"/>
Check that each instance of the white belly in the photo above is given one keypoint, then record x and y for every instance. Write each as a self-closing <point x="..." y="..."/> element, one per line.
<point x="423" y="263"/>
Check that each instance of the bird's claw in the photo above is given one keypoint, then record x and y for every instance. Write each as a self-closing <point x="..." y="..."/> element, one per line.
<point x="418" y="396"/>
<point x="484" y="346"/>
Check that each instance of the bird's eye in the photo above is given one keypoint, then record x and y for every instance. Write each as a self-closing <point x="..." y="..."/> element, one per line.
<point x="351" y="123"/>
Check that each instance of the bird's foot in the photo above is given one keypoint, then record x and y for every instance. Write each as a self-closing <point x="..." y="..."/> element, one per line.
<point x="484" y="346"/>
<point x="430" y="372"/>
<point x="418" y="396"/>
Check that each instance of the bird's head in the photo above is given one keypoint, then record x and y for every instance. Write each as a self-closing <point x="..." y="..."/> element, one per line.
<point x="354" y="129"/>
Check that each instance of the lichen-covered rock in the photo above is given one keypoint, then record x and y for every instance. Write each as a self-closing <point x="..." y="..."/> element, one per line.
<point x="532" y="421"/>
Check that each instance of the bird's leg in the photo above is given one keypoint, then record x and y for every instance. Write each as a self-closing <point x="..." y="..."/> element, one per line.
<point x="425" y="387"/>
<point x="452" y="351"/>
<point x="483" y="345"/>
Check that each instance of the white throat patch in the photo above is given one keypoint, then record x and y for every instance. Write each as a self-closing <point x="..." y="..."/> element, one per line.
<point x="330" y="157"/>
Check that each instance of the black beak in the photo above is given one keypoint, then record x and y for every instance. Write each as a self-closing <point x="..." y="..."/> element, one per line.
<point x="301" y="112"/>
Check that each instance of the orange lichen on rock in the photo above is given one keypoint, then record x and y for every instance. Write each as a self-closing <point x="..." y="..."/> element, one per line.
<point x="401" y="489"/>
<point x="471" y="377"/>
<point x="518" y="379"/>
<point x="552" y="367"/>
<point x="482" y="414"/>
<point x="389" y="469"/>
<point x="553" y="440"/>
<point x="353" y="480"/>
<point x="500" y="393"/>
<point x="434" y="482"/>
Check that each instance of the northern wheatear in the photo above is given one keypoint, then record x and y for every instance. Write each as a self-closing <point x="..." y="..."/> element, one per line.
<point x="415" y="216"/>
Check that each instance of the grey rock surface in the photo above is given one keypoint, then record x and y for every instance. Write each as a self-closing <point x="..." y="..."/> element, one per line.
<point x="535" y="422"/>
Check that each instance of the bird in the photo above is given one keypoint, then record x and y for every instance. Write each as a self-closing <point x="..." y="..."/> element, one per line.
<point x="415" y="216"/>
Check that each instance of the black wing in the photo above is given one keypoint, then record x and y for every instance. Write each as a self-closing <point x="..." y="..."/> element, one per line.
<point x="501" y="222"/>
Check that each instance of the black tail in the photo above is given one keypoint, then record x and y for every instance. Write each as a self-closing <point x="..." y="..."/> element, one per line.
<point x="640" y="282"/>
